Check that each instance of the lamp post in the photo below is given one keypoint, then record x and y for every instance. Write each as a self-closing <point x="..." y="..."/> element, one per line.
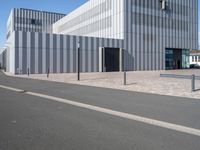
<point x="78" y="61"/>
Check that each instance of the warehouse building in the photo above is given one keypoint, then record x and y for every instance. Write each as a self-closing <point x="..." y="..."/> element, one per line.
<point x="150" y="35"/>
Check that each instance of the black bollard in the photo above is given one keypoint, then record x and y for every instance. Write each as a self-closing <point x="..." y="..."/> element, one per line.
<point x="48" y="73"/>
<point x="28" y="72"/>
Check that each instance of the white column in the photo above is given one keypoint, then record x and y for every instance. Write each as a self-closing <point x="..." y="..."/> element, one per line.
<point x="100" y="59"/>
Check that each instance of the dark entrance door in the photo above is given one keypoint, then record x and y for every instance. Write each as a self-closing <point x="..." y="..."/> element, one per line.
<point x="179" y="64"/>
<point x="112" y="59"/>
<point x="177" y="59"/>
<point x="173" y="59"/>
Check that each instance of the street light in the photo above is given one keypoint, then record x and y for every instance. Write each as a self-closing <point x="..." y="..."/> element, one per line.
<point x="78" y="61"/>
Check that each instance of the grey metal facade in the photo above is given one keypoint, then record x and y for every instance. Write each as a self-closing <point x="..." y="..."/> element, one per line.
<point x="40" y="51"/>
<point x="32" y="20"/>
<point x="91" y="13"/>
<point x="149" y="30"/>
<point x="96" y="18"/>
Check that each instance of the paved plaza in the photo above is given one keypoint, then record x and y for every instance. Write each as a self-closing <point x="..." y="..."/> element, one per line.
<point x="140" y="81"/>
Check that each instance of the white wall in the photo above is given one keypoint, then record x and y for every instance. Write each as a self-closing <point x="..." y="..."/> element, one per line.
<point x="10" y="55"/>
<point x="105" y="15"/>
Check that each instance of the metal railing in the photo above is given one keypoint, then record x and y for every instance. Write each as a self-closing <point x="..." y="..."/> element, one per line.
<point x="191" y="77"/>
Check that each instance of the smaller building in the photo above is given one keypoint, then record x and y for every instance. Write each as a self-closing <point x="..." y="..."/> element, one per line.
<point x="32" y="47"/>
<point x="195" y="57"/>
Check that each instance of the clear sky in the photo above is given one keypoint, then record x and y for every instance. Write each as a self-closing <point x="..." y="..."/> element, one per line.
<point x="62" y="6"/>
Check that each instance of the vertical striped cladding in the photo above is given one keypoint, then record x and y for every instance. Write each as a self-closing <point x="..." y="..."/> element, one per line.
<point x="58" y="52"/>
<point x="96" y="18"/>
<point x="146" y="29"/>
<point x="33" y="20"/>
<point x="149" y="30"/>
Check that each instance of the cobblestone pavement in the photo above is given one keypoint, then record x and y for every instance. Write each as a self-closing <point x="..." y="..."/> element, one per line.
<point x="141" y="81"/>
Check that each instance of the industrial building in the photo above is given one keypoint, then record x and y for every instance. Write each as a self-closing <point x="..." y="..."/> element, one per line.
<point x="112" y="35"/>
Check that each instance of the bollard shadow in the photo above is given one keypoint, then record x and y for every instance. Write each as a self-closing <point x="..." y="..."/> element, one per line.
<point x="196" y="90"/>
<point x="93" y="79"/>
<point x="131" y="84"/>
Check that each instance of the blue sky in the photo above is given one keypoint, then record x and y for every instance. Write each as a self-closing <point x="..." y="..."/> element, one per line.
<point x="62" y="6"/>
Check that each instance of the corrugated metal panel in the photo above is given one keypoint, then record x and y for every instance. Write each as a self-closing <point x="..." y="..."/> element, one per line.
<point x="57" y="52"/>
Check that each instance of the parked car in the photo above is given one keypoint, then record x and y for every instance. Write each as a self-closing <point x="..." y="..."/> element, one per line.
<point x="194" y="66"/>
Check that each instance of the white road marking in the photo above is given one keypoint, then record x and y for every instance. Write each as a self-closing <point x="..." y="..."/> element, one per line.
<point x="11" y="89"/>
<point x="141" y="119"/>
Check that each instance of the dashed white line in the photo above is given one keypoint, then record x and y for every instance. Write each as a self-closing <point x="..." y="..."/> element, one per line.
<point x="141" y="119"/>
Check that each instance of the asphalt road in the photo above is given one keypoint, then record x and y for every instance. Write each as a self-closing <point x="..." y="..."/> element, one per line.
<point x="29" y="122"/>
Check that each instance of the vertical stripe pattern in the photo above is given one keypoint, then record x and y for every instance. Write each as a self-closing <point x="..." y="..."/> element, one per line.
<point x="58" y="52"/>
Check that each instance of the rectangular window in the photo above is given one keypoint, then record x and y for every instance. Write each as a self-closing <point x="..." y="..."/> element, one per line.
<point x="169" y="59"/>
<point x="185" y="59"/>
<point x="33" y="21"/>
<point x="196" y="58"/>
<point x="192" y="58"/>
